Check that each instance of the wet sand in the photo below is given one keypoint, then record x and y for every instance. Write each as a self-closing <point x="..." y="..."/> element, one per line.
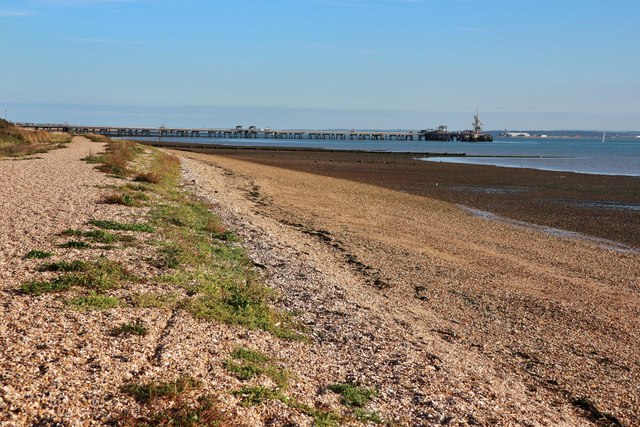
<point x="602" y="206"/>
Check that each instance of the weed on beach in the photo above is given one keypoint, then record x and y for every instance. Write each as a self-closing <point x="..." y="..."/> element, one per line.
<point x="356" y="399"/>
<point x="37" y="287"/>
<point x="353" y="395"/>
<point x="252" y="364"/>
<point x="115" y="225"/>
<point x="123" y="199"/>
<point x="36" y="254"/>
<point x="135" y="328"/>
<point x="75" y="244"/>
<point x="251" y="395"/>
<point x="147" y="392"/>
<point x="93" y="159"/>
<point x="65" y="266"/>
<point x="99" y="236"/>
<point x="257" y="395"/>
<point x="99" y="275"/>
<point x="94" y="301"/>
<point x="204" y="412"/>
<point x="148" y="177"/>
<point x="155" y="300"/>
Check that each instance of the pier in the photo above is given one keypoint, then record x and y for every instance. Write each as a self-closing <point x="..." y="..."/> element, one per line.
<point x="440" y="134"/>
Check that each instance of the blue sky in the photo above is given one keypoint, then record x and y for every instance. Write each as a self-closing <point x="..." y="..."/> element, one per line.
<point x="323" y="63"/>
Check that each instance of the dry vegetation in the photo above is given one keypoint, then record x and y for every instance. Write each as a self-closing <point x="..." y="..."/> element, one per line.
<point x="17" y="142"/>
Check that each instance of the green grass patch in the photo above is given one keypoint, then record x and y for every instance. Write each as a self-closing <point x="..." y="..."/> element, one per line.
<point x="135" y="328"/>
<point x="99" y="236"/>
<point x="169" y="256"/>
<point x="36" y="288"/>
<point x="115" y="225"/>
<point x="252" y="364"/>
<point x="66" y="266"/>
<point x="249" y="355"/>
<point x="145" y="393"/>
<point x="94" y="301"/>
<point x="244" y="371"/>
<point x="353" y="395"/>
<point x="251" y="396"/>
<point x="99" y="275"/>
<point x="204" y="412"/>
<point x="75" y="244"/>
<point x="240" y="303"/>
<point x="367" y="416"/>
<point x="194" y="215"/>
<point x="321" y="417"/>
<point x="72" y="232"/>
<point x="155" y="300"/>
<point x="36" y="254"/>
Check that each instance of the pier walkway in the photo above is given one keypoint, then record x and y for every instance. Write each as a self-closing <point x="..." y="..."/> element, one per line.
<point x="440" y="134"/>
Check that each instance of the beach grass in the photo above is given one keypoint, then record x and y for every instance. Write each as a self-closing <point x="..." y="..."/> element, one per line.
<point x="18" y="142"/>
<point x="195" y="252"/>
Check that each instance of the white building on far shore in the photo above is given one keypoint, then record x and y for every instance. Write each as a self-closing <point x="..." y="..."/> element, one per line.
<point x="517" y="134"/>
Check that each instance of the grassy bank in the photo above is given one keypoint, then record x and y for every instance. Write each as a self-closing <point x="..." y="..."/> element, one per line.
<point x="17" y="142"/>
<point x="181" y="258"/>
<point x="187" y="247"/>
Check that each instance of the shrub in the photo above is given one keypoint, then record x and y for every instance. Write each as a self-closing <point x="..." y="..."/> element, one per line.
<point x="120" y="199"/>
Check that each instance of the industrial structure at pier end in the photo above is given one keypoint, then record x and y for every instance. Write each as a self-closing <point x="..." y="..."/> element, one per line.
<point x="476" y="134"/>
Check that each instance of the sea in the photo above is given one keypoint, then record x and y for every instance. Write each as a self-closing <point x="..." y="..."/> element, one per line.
<point x="580" y="155"/>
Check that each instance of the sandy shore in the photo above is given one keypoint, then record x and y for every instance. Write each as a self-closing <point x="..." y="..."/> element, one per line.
<point x="479" y="321"/>
<point x="604" y="206"/>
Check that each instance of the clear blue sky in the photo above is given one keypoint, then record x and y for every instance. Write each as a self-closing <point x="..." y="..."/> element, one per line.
<point x="323" y="63"/>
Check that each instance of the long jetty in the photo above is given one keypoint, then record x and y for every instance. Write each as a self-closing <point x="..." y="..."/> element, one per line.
<point x="440" y="134"/>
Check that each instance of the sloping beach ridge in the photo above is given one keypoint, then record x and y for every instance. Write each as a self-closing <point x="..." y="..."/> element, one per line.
<point x="149" y="287"/>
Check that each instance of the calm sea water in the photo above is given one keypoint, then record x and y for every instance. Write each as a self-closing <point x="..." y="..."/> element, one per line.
<point x="592" y="156"/>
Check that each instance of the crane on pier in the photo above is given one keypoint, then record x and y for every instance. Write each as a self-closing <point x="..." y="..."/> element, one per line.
<point x="477" y="124"/>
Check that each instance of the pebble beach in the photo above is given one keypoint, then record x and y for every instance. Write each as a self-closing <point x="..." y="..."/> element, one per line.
<point x="453" y="319"/>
